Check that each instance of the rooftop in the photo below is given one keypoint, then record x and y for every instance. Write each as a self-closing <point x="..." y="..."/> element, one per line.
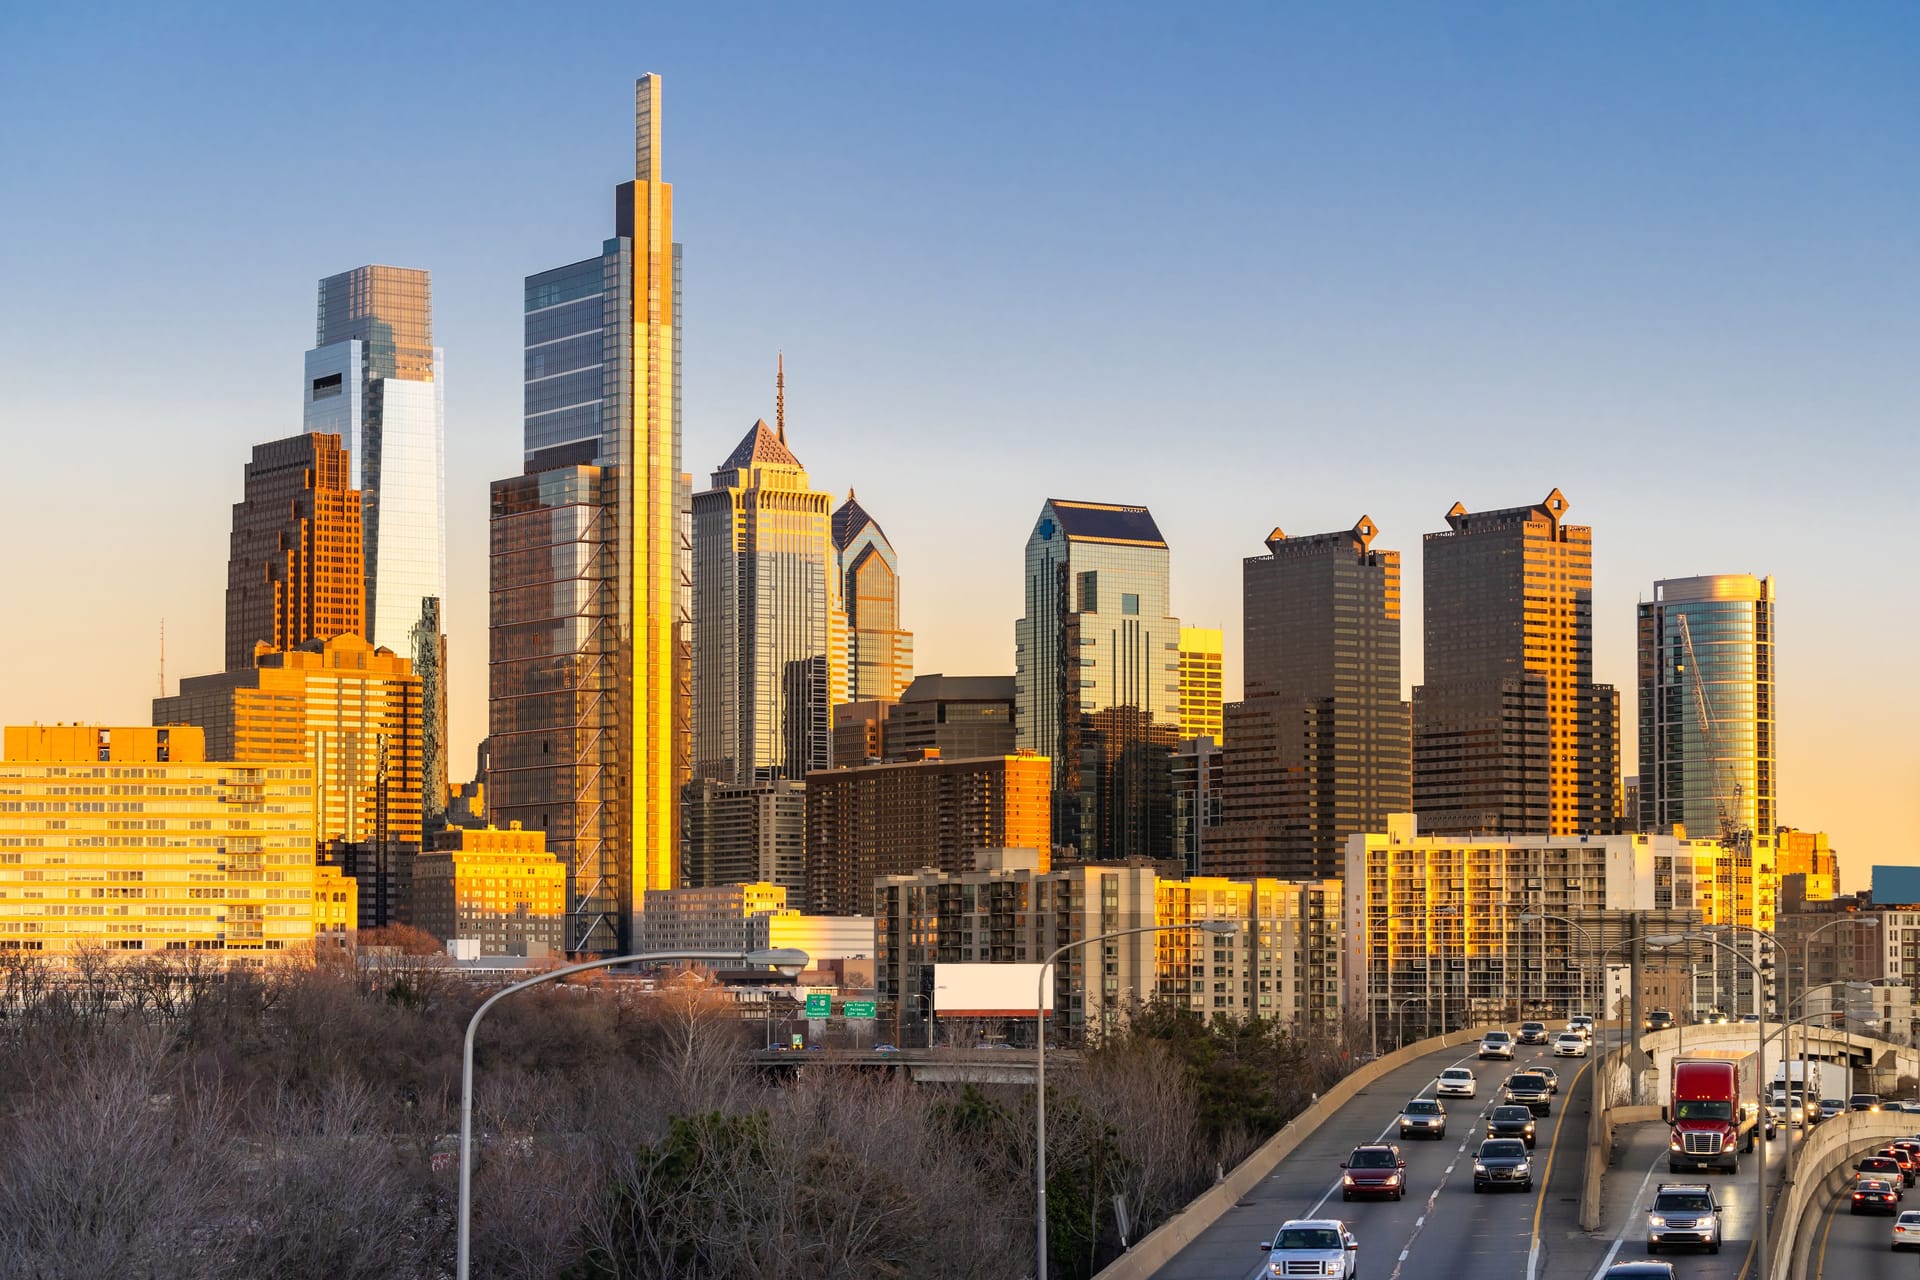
<point x="1106" y="522"/>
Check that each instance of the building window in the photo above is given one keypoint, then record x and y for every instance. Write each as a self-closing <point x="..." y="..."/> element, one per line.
<point x="1129" y="603"/>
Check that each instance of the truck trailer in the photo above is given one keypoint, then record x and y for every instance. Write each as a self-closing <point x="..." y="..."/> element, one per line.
<point x="1713" y="1106"/>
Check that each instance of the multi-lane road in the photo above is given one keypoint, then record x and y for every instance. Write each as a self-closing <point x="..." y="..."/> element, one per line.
<point x="1845" y="1247"/>
<point x="1442" y="1230"/>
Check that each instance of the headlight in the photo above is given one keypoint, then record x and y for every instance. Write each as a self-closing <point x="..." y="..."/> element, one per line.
<point x="1478" y="1167"/>
<point x="1334" y="1268"/>
<point x="1674" y="1145"/>
<point x="1655" y="1220"/>
<point x="1346" y="1180"/>
<point x="1393" y="1180"/>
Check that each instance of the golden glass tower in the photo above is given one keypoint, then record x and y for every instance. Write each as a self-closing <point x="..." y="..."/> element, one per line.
<point x="587" y="662"/>
<point x="1202" y="651"/>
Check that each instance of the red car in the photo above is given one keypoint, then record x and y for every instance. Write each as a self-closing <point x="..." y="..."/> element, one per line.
<point x="1374" y="1170"/>
<point x="1874" y="1195"/>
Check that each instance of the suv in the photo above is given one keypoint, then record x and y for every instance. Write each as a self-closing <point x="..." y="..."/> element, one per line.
<point x="1659" y="1020"/>
<point x="1883" y="1167"/>
<point x="1423" y="1116"/>
<point x="1511" y="1122"/>
<point x="1312" y="1247"/>
<point x="1376" y="1169"/>
<point x="1502" y="1162"/>
<point x="1902" y="1157"/>
<point x="1497" y="1044"/>
<point x="1456" y="1082"/>
<point x="1529" y="1088"/>
<point x="1864" y="1102"/>
<point x="1533" y="1033"/>
<point x="1683" y="1213"/>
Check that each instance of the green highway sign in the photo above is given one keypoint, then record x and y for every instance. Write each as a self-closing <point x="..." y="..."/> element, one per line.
<point x="859" y="1009"/>
<point x="819" y="1006"/>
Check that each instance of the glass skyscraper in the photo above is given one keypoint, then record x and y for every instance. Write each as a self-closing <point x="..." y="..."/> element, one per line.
<point x="587" y="664"/>
<point x="769" y="649"/>
<point x="1707" y="744"/>
<point x="879" y="652"/>
<point x="1097" y="676"/>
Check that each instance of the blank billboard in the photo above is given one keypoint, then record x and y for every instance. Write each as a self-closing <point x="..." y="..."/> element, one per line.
<point x="988" y="990"/>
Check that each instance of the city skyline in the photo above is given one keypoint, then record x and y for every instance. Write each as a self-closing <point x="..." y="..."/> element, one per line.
<point x="1846" y="760"/>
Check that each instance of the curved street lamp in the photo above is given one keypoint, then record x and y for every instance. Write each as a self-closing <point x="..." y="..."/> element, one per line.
<point x="1586" y="997"/>
<point x="1220" y="927"/>
<point x="785" y="959"/>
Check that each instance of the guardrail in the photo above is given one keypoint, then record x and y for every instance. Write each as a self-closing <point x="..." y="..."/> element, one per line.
<point x="1822" y="1170"/>
<point x="1158" y="1246"/>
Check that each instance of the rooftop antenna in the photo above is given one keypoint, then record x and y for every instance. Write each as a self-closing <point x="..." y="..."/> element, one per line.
<point x="163" y="657"/>
<point x="780" y="397"/>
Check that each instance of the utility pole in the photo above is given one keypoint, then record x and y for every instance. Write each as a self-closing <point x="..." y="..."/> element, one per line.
<point x="1635" y="923"/>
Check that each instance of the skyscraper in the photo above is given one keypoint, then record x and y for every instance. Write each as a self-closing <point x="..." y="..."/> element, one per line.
<point x="587" y="664"/>
<point x="374" y="378"/>
<point x="769" y="650"/>
<point x="1706" y="706"/>
<point x="1202" y="653"/>
<point x="1318" y="750"/>
<point x="879" y="652"/>
<point x="294" y="568"/>
<point x="1097" y="679"/>
<point x="1511" y="736"/>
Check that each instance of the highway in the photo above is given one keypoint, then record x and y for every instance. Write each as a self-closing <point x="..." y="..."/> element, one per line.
<point x="1846" y="1247"/>
<point x="1441" y="1229"/>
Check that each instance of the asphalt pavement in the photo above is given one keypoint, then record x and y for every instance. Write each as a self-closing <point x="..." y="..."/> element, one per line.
<point x="1849" y="1247"/>
<point x="1441" y="1229"/>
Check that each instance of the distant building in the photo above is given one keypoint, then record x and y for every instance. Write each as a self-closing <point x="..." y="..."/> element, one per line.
<point x="860" y="731"/>
<point x="501" y="889"/>
<point x="294" y="565"/>
<point x="1511" y="736"/>
<point x="1318" y="749"/>
<point x="1097" y="677"/>
<point x="130" y="840"/>
<point x="746" y="832"/>
<point x="961" y="717"/>
<point x="1202" y="681"/>
<point x="1808" y="853"/>
<point x="879" y="650"/>
<point x="769" y="653"/>
<point x="888" y="819"/>
<point x="720" y="917"/>
<point x="1198" y="773"/>
<point x="1707" y="722"/>
<point x="336" y="906"/>
<point x="1283" y="963"/>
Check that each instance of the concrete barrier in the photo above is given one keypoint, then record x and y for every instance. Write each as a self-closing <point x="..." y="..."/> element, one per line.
<point x="1158" y="1246"/>
<point x="1610" y="1082"/>
<point x="1826" y="1156"/>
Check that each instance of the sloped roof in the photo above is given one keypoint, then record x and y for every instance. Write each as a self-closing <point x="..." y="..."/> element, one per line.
<point x="849" y="519"/>
<point x="759" y="445"/>
<point x="1105" y="522"/>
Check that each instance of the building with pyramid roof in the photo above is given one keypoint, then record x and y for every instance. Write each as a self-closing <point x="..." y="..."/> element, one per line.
<point x="879" y="650"/>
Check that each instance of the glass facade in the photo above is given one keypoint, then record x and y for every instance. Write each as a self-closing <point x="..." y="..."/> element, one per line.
<point x="1097" y="678"/>
<point x="879" y="652"/>
<point x="294" y="563"/>
<point x="1707" y="744"/>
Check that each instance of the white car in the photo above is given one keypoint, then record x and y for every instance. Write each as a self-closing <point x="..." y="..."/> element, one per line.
<point x="1906" y="1230"/>
<point x="1456" y="1082"/>
<point x="1312" y="1247"/>
<point x="1569" y="1044"/>
<point x="1497" y="1044"/>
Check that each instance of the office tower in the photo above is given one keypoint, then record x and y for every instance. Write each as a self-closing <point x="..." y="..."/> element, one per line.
<point x="1706" y="706"/>
<point x="1319" y="747"/>
<point x="879" y="653"/>
<point x="1198" y="775"/>
<point x="1097" y="678"/>
<point x="501" y="889"/>
<point x="769" y="655"/>
<point x="1511" y="736"/>
<point x="587" y="665"/>
<point x="375" y="379"/>
<point x="860" y="732"/>
<point x="293" y="568"/>
<point x="1202" y="650"/>
<point x="1809" y="854"/>
<point x="740" y="833"/>
<point x="961" y="717"/>
<point x="1283" y="964"/>
<point x="889" y="819"/>
<point x="211" y="838"/>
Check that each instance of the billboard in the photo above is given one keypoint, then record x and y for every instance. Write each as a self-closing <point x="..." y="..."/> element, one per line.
<point x="988" y="990"/>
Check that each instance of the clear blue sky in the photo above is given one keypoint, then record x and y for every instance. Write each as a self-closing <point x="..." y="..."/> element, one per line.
<point x="1281" y="265"/>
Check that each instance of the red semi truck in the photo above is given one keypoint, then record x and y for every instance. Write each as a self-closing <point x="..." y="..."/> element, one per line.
<point x="1714" y="1109"/>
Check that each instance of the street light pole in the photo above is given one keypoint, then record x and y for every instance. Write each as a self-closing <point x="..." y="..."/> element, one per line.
<point x="1543" y="917"/>
<point x="1040" y="1060"/>
<point x="1806" y="978"/>
<point x="785" y="959"/>
<point x="1661" y="942"/>
<point x="1373" y="1010"/>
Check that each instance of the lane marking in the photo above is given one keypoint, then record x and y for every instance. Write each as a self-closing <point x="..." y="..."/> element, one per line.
<point x="1833" y="1211"/>
<point x="1391" y="1126"/>
<point x="1546" y="1177"/>
<point x="1632" y="1206"/>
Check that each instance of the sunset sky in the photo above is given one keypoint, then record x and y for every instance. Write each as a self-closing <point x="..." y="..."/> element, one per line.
<point x="1280" y="265"/>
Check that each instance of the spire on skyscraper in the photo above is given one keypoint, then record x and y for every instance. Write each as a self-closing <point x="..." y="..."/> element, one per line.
<point x="780" y="395"/>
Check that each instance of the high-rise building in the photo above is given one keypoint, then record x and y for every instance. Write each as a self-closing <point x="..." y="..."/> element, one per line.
<point x="860" y="732"/>
<point x="961" y="717"/>
<point x="374" y="378"/>
<point x="879" y="651"/>
<point x="348" y="711"/>
<point x="1202" y="679"/>
<point x="588" y="676"/>
<point x="1097" y="679"/>
<point x="129" y="839"/>
<point x="294" y="567"/>
<point x="1319" y="748"/>
<point x="1707" y="745"/>
<point x="745" y="832"/>
<point x="888" y="819"/>
<point x="1511" y="736"/>
<point x="501" y="889"/>
<point x="1198" y="775"/>
<point x="1809" y="854"/>
<point x="769" y="653"/>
